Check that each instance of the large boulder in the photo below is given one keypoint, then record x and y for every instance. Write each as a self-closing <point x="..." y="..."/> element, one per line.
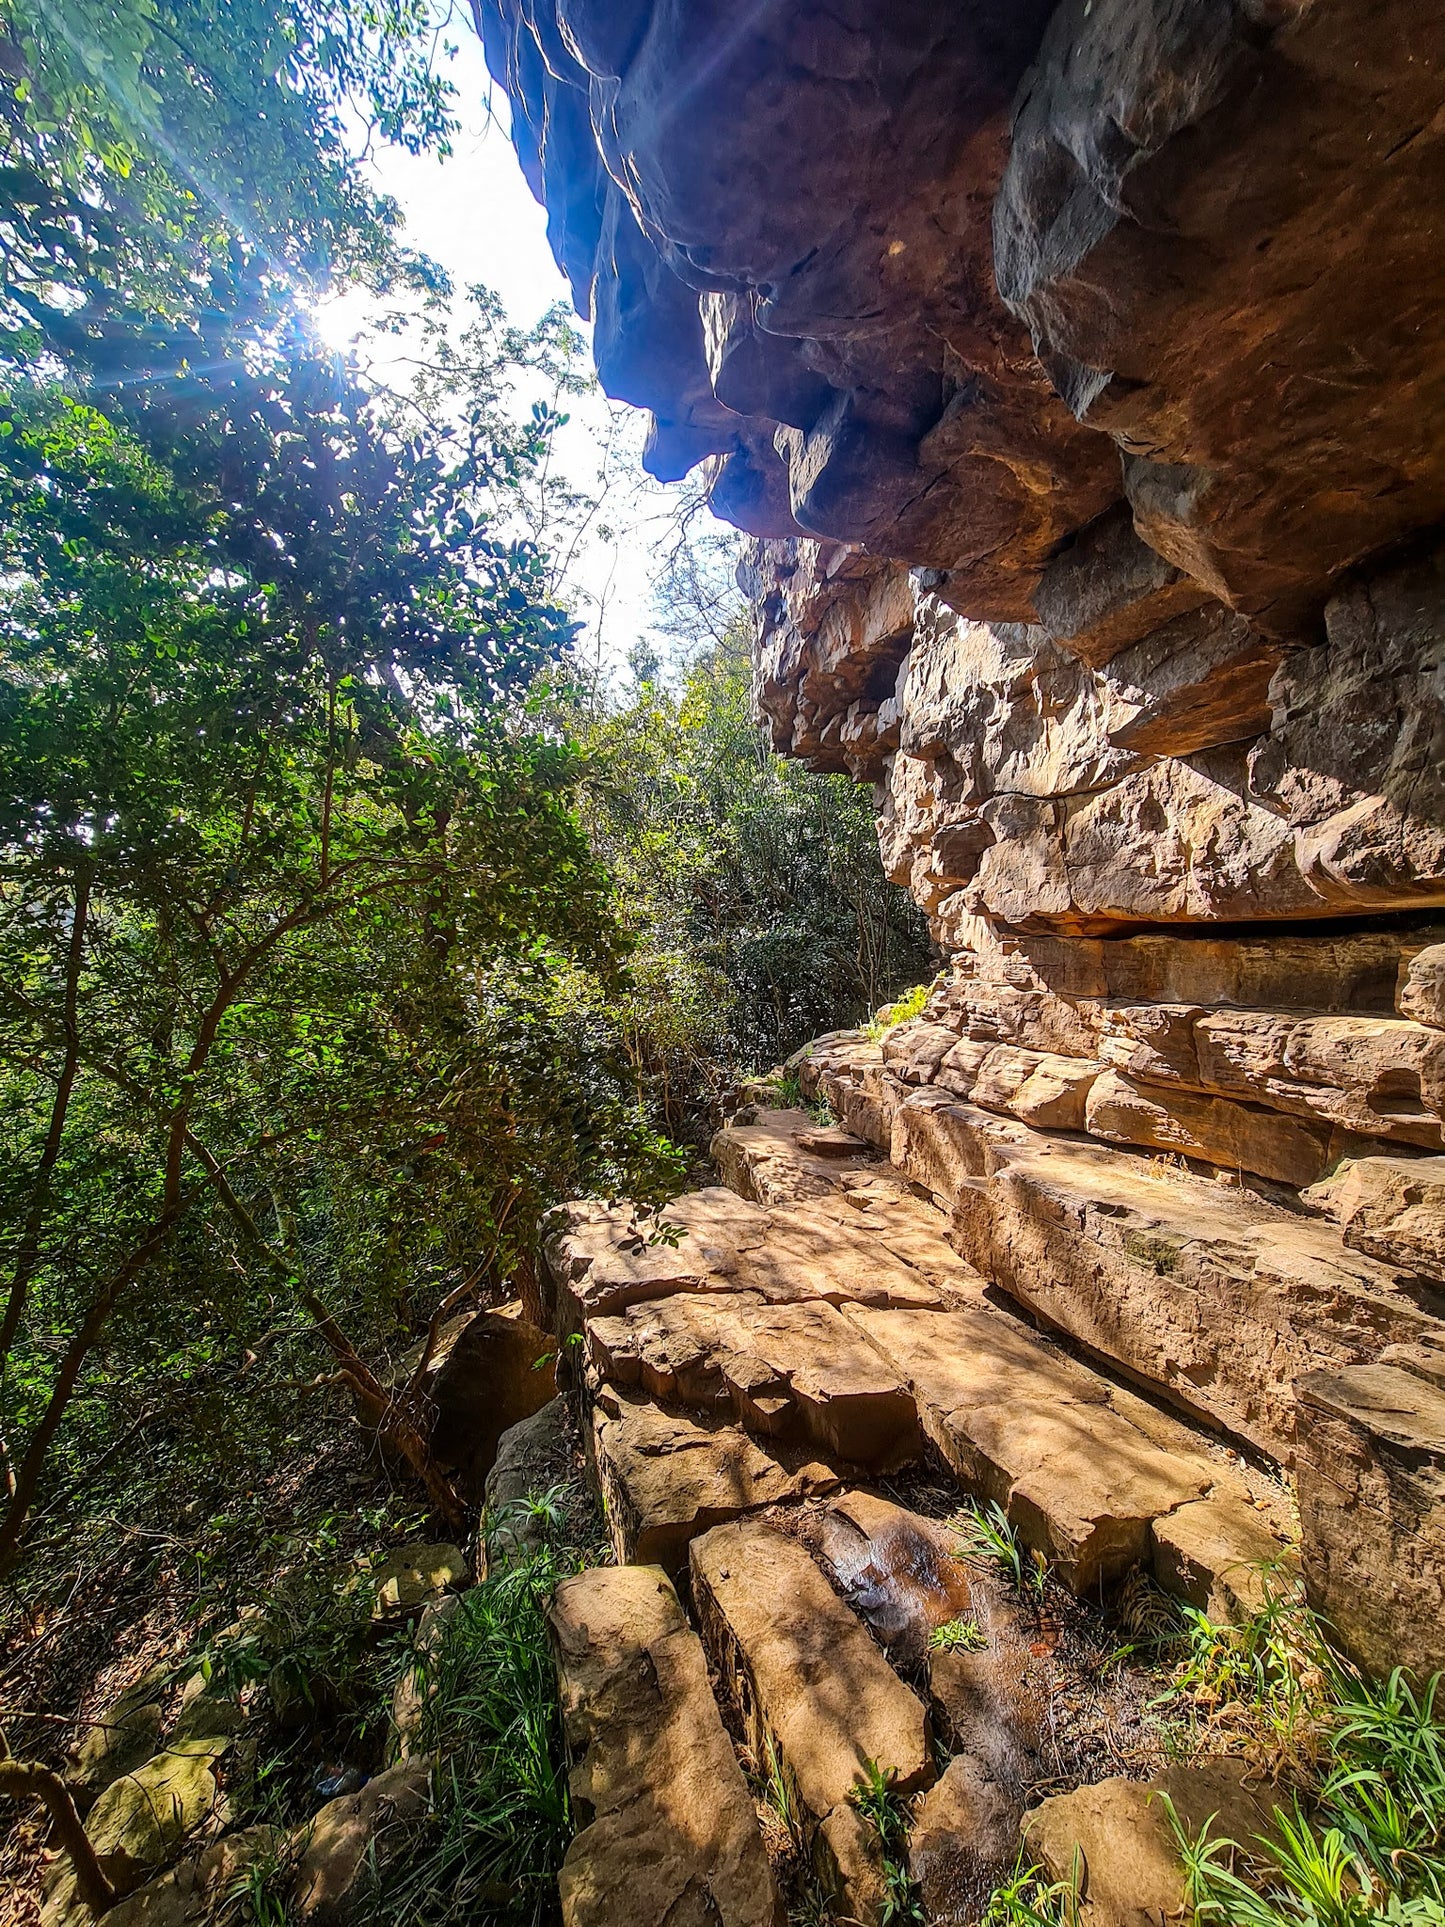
<point x="140" y="1821"/>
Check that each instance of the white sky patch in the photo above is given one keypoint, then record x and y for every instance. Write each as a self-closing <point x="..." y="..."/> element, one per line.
<point x="475" y="215"/>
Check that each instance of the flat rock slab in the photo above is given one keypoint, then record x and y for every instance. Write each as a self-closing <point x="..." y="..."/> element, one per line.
<point x="1372" y="1508"/>
<point x="412" y="1576"/>
<point x="803" y="1671"/>
<point x="798" y="1371"/>
<point x="667" y="1476"/>
<point x="1223" y="1556"/>
<point x="1024" y="1425"/>
<point x="1117" y="1837"/>
<point x="1208" y="1293"/>
<point x="601" y="1260"/>
<point x="783" y="1157"/>
<point x="673" y="1838"/>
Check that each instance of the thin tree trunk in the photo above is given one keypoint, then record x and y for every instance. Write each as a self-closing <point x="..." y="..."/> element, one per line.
<point x="21" y="1777"/>
<point x="27" y="1478"/>
<point x="27" y="1257"/>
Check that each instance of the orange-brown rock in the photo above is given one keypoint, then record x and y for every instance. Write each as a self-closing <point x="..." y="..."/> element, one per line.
<point x="665" y="1476"/>
<point x="1372" y="1507"/>
<point x="671" y="1833"/>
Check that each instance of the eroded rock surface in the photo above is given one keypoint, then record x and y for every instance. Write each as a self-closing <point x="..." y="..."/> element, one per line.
<point x="671" y="1835"/>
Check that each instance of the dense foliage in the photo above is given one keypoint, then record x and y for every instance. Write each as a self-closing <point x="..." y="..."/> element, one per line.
<point x="752" y="887"/>
<point x="315" y="988"/>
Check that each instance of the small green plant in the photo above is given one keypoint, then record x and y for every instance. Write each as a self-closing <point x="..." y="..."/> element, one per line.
<point x="989" y="1536"/>
<point x="503" y="1815"/>
<point x="960" y="1635"/>
<point x="881" y="1807"/>
<point x="1026" y="1899"/>
<point x="1364" y="1839"/>
<point x="901" y="1011"/>
<point x="1264" y="1685"/>
<point x="790" y="1092"/>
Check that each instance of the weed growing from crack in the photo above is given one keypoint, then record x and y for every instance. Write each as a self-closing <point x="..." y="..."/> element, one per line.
<point x="1027" y="1899"/>
<point x="988" y="1535"/>
<point x="885" y="1812"/>
<point x="957" y="1636"/>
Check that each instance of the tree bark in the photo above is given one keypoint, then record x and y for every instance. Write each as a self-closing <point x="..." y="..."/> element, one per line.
<point x="27" y="1258"/>
<point x="21" y="1777"/>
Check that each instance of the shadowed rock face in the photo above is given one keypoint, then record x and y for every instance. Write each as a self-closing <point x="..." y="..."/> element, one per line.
<point x="1079" y="374"/>
<point x="993" y="288"/>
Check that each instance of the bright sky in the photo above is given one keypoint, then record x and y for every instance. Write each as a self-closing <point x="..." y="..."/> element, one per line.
<point x="476" y="216"/>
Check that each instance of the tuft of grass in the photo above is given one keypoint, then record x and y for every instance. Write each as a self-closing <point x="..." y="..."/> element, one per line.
<point x="503" y="1818"/>
<point x="957" y="1636"/>
<point x="885" y="1812"/>
<point x="790" y="1092"/>
<point x="1263" y="1687"/>
<point x="1364" y="1840"/>
<point x="1150" y="1621"/>
<point x="988" y="1536"/>
<point x="1026" y="1899"/>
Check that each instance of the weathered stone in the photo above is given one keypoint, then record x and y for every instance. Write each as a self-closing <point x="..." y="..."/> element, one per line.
<point x="772" y="1161"/>
<point x="1422" y="986"/>
<point x="672" y="1835"/>
<point x="1106" y="589"/>
<point x="900" y="1573"/>
<point x="140" y="1820"/>
<point x="963" y="1840"/>
<point x="666" y="1477"/>
<point x="807" y="1679"/>
<point x="195" y="1891"/>
<point x="1114" y="1838"/>
<point x="1206" y="1293"/>
<point x="1036" y="1087"/>
<point x="126" y="1732"/>
<point x="1372" y="1512"/>
<point x="414" y="1689"/>
<point x="497" y="1368"/>
<point x="1232" y="210"/>
<point x="1392" y="1208"/>
<point x="532" y="1457"/>
<point x="1239" y="1137"/>
<point x="1023" y="1425"/>
<point x="796" y="1371"/>
<point x="414" y="1576"/>
<point x="1222" y="1556"/>
<point x="351" y="1841"/>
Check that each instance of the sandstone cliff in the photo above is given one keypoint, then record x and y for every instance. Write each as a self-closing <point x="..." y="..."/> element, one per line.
<point x="1079" y="374"/>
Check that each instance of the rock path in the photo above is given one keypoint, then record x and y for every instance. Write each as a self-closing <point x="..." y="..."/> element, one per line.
<point x="756" y="1358"/>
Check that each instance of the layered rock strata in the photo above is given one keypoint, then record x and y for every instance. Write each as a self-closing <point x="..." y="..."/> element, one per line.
<point x="755" y="1358"/>
<point x="1078" y="374"/>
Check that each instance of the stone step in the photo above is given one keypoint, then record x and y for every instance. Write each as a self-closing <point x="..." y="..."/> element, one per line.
<point x="812" y="1687"/>
<point x="601" y="1259"/>
<point x="785" y="1157"/>
<point x="1114" y="1840"/>
<point x="797" y="1372"/>
<point x="1083" y="1469"/>
<point x="672" y="1835"/>
<point x="667" y="1476"/>
<point x="1205" y="1292"/>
